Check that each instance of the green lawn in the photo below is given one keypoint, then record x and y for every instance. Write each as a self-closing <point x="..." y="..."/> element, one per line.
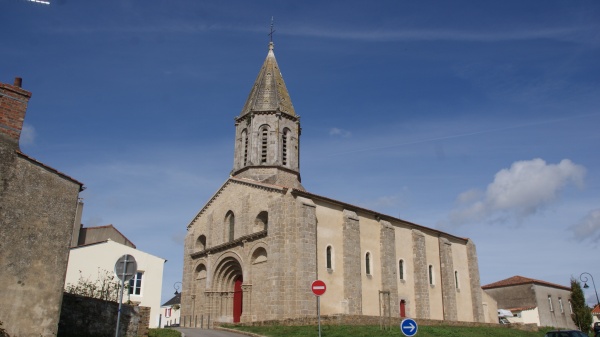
<point x="163" y="333"/>
<point x="372" y="331"/>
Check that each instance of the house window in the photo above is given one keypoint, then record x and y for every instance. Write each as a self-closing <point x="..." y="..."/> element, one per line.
<point x="430" y="275"/>
<point x="168" y="312"/>
<point x="264" y="143"/>
<point x="456" y="279"/>
<point x="560" y="304"/>
<point x="135" y="284"/>
<point x="368" y="263"/>
<point x="550" y="303"/>
<point x="329" y="265"/>
<point x="401" y="269"/>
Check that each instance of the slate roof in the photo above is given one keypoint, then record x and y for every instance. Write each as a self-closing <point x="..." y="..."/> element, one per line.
<point x="175" y="300"/>
<point x="269" y="93"/>
<point x="519" y="280"/>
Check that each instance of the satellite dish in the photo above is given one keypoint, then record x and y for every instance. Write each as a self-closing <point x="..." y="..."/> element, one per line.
<point x="125" y="267"/>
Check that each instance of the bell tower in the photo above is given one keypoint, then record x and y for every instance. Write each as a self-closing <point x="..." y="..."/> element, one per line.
<point x="267" y="131"/>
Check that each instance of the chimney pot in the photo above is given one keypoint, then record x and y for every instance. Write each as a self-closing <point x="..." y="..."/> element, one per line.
<point x="18" y="82"/>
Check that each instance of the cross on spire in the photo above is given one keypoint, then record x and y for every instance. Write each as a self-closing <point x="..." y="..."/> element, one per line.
<point x="272" y="31"/>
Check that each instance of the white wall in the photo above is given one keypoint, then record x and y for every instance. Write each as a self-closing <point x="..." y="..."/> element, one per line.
<point x="88" y="261"/>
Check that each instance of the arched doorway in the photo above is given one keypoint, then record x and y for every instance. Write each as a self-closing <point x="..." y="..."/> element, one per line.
<point x="228" y="289"/>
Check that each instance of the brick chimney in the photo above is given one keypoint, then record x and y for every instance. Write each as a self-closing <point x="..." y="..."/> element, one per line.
<point x="13" y="104"/>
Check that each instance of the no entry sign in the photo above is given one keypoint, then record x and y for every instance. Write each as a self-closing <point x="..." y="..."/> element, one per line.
<point x="318" y="287"/>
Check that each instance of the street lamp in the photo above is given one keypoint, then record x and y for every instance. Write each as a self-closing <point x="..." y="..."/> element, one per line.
<point x="176" y="286"/>
<point x="584" y="279"/>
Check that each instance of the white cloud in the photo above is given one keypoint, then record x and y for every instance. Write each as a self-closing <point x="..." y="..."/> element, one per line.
<point x="518" y="192"/>
<point x="588" y="227"/>
<point x="340" y="133"/>
<point x="27" y="135"/>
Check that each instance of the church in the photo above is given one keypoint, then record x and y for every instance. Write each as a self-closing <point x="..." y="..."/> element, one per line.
<point x="253" y="250"/>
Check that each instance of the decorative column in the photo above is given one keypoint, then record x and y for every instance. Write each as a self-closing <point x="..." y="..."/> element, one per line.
<point x="246" y="303"/>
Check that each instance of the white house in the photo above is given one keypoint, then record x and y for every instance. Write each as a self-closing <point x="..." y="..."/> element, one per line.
<point x="91" y="260"/>
<point x="170" y="310"/>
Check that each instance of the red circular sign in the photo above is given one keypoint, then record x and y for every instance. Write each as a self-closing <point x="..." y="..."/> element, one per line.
<point x="318" y="287"/>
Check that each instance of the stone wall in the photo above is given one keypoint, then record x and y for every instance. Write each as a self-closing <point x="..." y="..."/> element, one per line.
<point x="38" y="206"/>
<point x="352" y="257"/>
<point x="448" y="280"/>
<point x="85" y="316"/>
<point x="420" y="274"/>
<point x="375" y="320"/>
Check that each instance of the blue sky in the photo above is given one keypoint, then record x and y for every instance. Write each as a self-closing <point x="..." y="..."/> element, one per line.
<point x="477" y="118"/>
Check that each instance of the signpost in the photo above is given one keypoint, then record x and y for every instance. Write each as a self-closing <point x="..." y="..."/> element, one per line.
<point x="318" y="288"/>
<point x="125" y="269"/>
<point x="409" y="327"/>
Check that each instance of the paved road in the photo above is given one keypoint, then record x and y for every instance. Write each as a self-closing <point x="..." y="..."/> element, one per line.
<point x="191" y="332"/>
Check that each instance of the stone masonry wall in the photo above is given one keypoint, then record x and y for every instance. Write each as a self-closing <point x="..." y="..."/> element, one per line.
<point x="448" y="282"/>
<point x="352" y="269"/>
<point x="305" y="258"/>
<point x="476" y="291"/>
<point x="85" y="316"/>
<point x="37" y="211"/>
<point x="387" y="243"/>
<point x="420" y="268"/>
<point x="375" y="320"/>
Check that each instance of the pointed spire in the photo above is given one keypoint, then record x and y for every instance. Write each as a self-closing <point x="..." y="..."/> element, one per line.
<point x="269" y="93"/>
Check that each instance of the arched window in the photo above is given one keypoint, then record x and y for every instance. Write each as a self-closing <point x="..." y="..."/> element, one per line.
<point x="329" y="252"/>
<point x="284" y="146"/>
<point x="401" y="269"/>
<point x="456" y="279"/>
<point x="259" y="255"/>
<point x="264" y="142"/>
<point x="261" y="222"/>
<point x="430" y="274"/>
<point x="200" y="272"/>
<point x="201" y="242"/>
<point x="230" y="223"/>
<point x="245" y="145"/>
<point x="368" y="263"/>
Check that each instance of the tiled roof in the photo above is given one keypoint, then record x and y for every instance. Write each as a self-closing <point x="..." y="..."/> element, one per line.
<point x="518" y="280"/>
<point x="596" y="310"/>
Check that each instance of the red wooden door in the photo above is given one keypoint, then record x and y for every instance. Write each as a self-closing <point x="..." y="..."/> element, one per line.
<point x="403" y="308"/>
<point x="237" y="300"/>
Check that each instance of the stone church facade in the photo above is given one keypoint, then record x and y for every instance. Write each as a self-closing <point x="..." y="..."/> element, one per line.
<point x="252" y="252"/>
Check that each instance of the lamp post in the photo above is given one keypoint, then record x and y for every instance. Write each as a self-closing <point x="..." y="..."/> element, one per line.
<point x="176" y="286"/>
<point x="584" y="279"/>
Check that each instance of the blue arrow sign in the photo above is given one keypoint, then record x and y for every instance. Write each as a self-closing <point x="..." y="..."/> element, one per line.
<point x="409" y="327"/>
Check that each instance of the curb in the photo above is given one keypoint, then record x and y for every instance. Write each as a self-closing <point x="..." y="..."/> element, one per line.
<point x="238" y="332"/>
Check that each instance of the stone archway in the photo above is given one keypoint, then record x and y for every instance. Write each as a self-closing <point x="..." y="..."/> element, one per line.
<point x="227" y="290"/>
